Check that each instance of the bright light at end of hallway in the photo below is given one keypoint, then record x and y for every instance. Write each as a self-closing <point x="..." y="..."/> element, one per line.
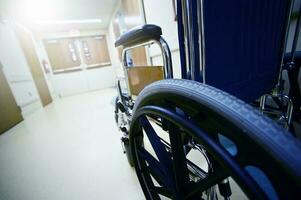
<point x="36" y="10"/>
<point x="81" y="21"/>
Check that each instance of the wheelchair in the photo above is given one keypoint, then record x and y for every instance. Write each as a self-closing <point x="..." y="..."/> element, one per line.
<point x="209" y="133"/>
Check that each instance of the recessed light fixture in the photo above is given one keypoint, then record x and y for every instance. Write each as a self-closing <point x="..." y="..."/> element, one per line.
<point x="80" y="21"/>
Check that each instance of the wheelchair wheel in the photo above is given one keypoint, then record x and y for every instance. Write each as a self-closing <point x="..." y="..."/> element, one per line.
<point x="196" y="136"/>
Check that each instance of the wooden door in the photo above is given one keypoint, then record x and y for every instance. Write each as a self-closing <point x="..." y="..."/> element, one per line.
<point x="10" y="113"/>
<point x="95" y="50"/>
<point x="34" y="64"/>
<point x="63" y="54"/>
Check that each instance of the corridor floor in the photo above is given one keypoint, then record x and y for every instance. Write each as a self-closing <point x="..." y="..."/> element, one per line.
<point x="70" y="150"/>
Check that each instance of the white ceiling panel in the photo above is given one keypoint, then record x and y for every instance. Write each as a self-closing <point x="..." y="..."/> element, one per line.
<point x="60" y="14"/>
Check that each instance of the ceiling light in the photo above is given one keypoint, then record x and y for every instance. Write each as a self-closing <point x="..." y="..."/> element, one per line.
<point x="80" y="21"/>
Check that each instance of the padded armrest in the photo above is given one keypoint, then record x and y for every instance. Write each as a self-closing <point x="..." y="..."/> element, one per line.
<point x="297" y="57"/>
<point x="139" y="35"/>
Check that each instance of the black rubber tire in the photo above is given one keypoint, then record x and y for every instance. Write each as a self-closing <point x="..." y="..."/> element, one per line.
<point x="128" y="153"/>
<point x="116" y="109"/>
<point x="275" y="149"/>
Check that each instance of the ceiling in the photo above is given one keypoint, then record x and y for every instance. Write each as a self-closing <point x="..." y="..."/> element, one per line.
<point x="60" y="15"/>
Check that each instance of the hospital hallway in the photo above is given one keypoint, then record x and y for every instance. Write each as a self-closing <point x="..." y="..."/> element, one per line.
<point x="69" y="150"/>
<point x="150" y="99"/>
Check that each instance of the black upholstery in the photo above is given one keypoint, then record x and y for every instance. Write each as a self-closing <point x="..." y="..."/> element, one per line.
<point x="250" y="36"/>
<point x="139" y="35"/>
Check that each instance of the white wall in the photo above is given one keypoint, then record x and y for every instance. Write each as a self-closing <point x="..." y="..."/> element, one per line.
<point x="17" y="70"/>
<point x="163" y="16"/>
<point x="71" y="83"/>
<point x="78" y="82"/>
<point x="116" y="62"/>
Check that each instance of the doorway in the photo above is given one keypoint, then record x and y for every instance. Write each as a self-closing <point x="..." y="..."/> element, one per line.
<point x="76" y="53"/>
<point x="31" y="56"/>
<point x="10" y="114"/>
<point x="79" y="64"/>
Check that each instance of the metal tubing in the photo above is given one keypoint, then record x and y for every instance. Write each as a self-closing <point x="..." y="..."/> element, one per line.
<point x="186" y="38"/>
<point x="289" y="111"/>
<point x="166" y="58"/>
<point x="290" y="107"/>
<point x="262" y="102"/>
<point x="202" y="39"/>
<point x="181" y="39"/>
<point x="194" y="40"/>
<point x="296" y="36"/>
<point x="284" y="41"/>
<point x="165" y="51"/>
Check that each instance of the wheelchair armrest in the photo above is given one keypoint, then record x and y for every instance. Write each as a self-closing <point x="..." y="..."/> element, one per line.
<point x="138" y="35"/>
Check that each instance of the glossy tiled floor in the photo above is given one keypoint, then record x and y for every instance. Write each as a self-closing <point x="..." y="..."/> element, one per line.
<point x="68" y="151"/>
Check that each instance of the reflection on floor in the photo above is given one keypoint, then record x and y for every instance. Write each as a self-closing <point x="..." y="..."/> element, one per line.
<point x="70" y="150"/>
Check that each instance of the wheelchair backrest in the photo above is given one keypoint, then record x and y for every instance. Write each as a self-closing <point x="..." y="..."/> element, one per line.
<point x="234" y="45"/>
<point x="141" y="76"/>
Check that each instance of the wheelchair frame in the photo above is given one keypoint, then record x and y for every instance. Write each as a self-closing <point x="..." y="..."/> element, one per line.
<point x="174" y="110"/>
<point x="125" y="102"/>
<point x="292" y="67"/>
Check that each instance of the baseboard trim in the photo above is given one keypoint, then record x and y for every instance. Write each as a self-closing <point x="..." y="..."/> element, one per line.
<point x="30" y="107"/>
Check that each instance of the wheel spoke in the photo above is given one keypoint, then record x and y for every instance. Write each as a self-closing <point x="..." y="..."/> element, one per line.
<point x="155" y="168"/>
<point x="163" y="191"/>
<point x="179" y="159"/>
<point x="157" y="144"/>
<point x="209" y="181"/>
